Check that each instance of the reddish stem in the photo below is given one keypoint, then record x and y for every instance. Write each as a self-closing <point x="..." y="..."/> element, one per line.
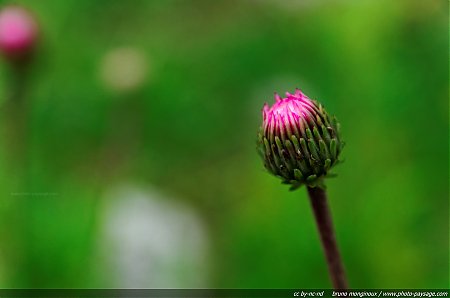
<point x="322" y="215"/>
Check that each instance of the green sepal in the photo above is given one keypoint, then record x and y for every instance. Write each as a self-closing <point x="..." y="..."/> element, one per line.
<point x="311" y="178"/>
<point x="313" y="149"/>
<point x="305" y="148"/>
<point x="333" y="149"/>
<point x="288" y="164"/>
<point x="327" y="164"/>
<point x="267" y="146"/>
<point x="284" y="163"/>
<point x="325" y="134"/>
<point x="291" y="150"/>
<point x="334" y="122"/>
<point x="296" y="144"/>
<point x="298" y="175"/>
<point x="316" y="133"/>
<point x="276" y="159"/>
<point x="279" y="144"/>
<point x="316" y="182"/>
<point x="318" y="120"/>
<point x="323" y="150"/>
<point x="316" y="166"/>
<point x="302" y="164"/>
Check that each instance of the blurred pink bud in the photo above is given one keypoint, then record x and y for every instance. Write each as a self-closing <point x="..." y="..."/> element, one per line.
<point x="18" y="32"/>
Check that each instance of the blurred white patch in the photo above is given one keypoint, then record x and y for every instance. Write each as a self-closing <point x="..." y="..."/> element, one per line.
<point x="124" y="69"/>
<point x="151" y="241"/>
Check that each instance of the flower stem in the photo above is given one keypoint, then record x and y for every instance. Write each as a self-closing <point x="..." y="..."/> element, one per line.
<point x="322" y="215"/>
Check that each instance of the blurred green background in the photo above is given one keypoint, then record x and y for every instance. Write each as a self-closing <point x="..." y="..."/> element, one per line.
<point x="184" y="125"/>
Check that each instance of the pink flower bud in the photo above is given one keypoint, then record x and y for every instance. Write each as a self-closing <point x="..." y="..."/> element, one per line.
<point x="298" y="141"/>
<point x="18" y="32"/>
